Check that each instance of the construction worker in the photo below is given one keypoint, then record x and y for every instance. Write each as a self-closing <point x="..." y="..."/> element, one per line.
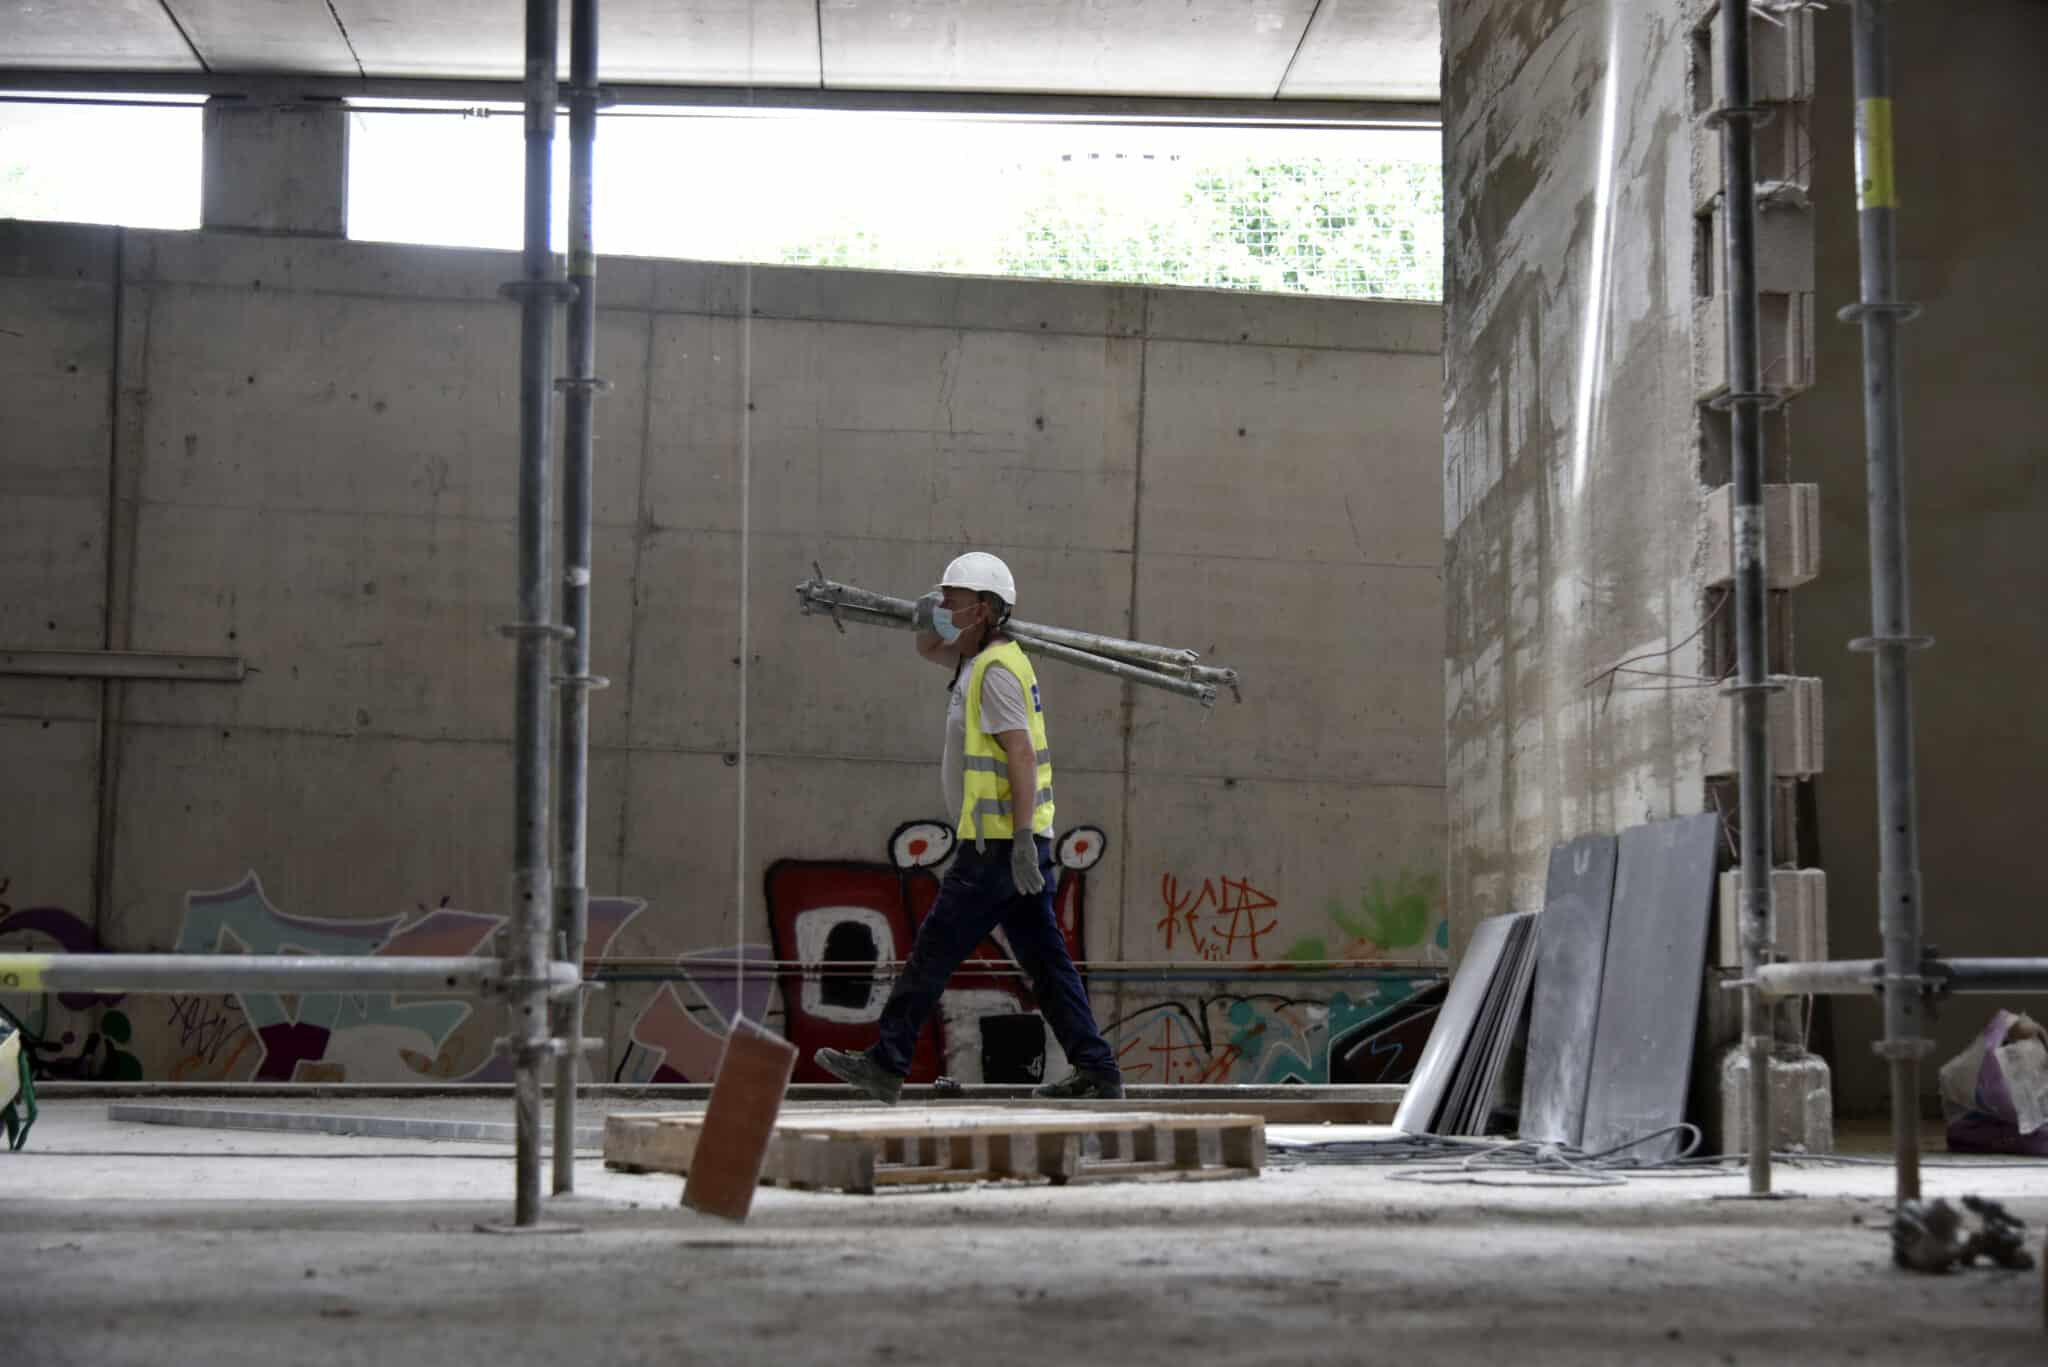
<point x="997" y="771"/>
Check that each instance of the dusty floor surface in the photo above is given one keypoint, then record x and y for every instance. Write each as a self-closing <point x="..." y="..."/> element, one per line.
<point x="130" y="1244"/>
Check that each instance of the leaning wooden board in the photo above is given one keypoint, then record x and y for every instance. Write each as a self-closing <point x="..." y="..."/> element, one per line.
<point x="864" y="1149"/>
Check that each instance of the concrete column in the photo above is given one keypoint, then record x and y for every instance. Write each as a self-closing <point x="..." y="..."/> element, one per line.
<point x="276" y="167"/>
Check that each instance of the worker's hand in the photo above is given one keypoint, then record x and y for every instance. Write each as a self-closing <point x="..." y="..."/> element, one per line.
<point x="1024" y="870"/>
<point x="921" y="612"/>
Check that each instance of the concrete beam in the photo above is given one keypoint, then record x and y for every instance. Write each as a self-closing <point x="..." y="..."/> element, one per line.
<point x="1117" y="109"/>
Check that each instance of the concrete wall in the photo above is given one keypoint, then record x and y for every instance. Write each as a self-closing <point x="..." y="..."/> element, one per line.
<point x="1969" y="133"/>
<point x="1571" y="484"/>
<point x="302" y="452"/>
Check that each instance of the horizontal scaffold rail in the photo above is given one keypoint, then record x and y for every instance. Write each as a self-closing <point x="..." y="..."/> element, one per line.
<point x="167" y="973"/>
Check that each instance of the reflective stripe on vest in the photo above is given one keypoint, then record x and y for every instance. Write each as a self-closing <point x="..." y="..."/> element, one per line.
<point x="994" y="764"/>
<point x="985" y="812"/>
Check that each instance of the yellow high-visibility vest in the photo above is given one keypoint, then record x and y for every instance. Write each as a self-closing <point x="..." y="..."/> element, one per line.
<point x="985" y="800"/>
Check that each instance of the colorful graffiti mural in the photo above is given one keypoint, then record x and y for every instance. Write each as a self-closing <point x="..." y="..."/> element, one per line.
<point x="678" y="1035"/>
<point x="1407" y="914"/>
<point x="271" y="1037"/>
<point x="76" y="1036"/>
<point x="834" y="924"/>
<point x="835" y="928"/>
<point x="334" y="1036"/>
<point x="1220" y="919"/>
<point x="1371" y="1033"/>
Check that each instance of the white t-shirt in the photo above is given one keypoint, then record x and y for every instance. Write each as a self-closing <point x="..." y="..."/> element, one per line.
<point x="1003" y="708"/>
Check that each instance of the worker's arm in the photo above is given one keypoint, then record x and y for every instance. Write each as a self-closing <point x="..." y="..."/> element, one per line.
<point x="1023" y="757"/>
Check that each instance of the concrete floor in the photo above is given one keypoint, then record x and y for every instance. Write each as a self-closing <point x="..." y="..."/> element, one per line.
<point x="129" y="1244"/>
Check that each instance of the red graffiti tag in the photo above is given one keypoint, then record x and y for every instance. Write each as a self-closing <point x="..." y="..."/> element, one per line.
<point x="1217" y="918"/>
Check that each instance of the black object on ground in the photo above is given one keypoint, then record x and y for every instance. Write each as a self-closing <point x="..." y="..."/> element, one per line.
<point x="1927" y="1236"/>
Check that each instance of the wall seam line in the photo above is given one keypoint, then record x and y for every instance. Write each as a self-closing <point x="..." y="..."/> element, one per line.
<point x="103" y="835"/>
<point x="641" y="533"/>
<point x="1130" y="699"/>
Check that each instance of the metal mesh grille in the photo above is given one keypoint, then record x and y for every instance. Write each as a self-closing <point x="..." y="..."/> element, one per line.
<point x="1311" y="226"/>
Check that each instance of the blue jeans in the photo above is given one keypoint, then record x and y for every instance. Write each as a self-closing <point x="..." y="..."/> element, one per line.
<point x="979" y="894"/>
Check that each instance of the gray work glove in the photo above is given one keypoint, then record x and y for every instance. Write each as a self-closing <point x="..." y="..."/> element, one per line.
<point x="921" y="611"/>
<point x="1024" y="870"/>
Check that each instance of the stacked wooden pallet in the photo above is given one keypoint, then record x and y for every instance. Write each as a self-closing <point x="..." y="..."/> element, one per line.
<point x="862" y="1150"/>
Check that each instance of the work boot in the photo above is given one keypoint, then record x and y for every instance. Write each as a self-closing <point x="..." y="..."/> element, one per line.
<point x="1084" y="1086"/>
<point x="858" y="1070"/>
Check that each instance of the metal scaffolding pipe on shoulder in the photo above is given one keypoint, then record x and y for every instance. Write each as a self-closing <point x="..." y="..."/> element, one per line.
<point x="1171" y="668"/>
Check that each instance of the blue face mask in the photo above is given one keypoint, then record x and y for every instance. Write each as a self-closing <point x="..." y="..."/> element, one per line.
<point x="942" y="622"/>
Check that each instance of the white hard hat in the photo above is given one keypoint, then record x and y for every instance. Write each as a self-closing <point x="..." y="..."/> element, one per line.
<point x="983" y="573"/>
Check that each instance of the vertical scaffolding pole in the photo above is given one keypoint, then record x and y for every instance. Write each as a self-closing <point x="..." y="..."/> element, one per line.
<point x="572" y="807"/>
<point x="1880" y="312"/>
<point x="538" y="292"/>
<point x="1752" y="688"/>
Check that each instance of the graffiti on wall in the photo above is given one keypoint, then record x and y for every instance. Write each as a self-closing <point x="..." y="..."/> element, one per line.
<point x="835" y="928"/>
<point x="1374" y="1033"/>
<point x="77" y="1036"/>
<point x="1218" y="918"/>
<point x="678" y="1035"/>
<point x="1221" y="919"/>
<point x="1368" y="1035"/>
<point x="1406" y="914"/>
<point x="836" y="924"/>
<point x="339" y="1036"/>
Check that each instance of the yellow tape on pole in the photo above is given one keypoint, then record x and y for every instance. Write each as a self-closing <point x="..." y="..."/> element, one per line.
<point x="1875" y="186"/>
<point x="22" y="972"/>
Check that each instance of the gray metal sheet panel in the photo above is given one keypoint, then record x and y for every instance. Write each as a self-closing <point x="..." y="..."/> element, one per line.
<point x="1508" y="1025"/>
<point x="698" y="42"/>
<point x="1471" y="1098"/>
<point x="1369" y="50"/>
<point x="1454" y="1024"/>
<point x="278" y="35"/>
<point x="107" y="35"/>
<point x="1650" y="989"/>
<point x="1139" y="47"/>
<point x="1571" y="954"/>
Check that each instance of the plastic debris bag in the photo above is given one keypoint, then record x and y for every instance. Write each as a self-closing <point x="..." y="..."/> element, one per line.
<point x="1994" y="1095"/>
<point x="2025" y="1065"/>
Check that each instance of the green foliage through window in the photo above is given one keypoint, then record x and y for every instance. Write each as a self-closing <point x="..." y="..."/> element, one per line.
<point x="1322" y="226"/>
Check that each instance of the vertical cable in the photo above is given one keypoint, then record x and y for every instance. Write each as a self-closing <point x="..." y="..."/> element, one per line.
<point x="739" y="904"/>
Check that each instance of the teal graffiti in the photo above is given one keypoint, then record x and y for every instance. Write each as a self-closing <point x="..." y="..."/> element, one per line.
<point x="320" y="1025"/>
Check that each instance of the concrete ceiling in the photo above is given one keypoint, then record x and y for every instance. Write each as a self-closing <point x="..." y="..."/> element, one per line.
<point x="1237" y="49"/>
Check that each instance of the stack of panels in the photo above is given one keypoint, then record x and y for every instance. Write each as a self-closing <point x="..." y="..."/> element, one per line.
<point x="1453" y="1090"/>
<point x="1620" y="957"/>
<point x="1608" y="978"/>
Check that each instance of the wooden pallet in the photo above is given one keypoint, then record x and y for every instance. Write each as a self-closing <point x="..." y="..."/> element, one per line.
<point x="863" y="1149"/>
